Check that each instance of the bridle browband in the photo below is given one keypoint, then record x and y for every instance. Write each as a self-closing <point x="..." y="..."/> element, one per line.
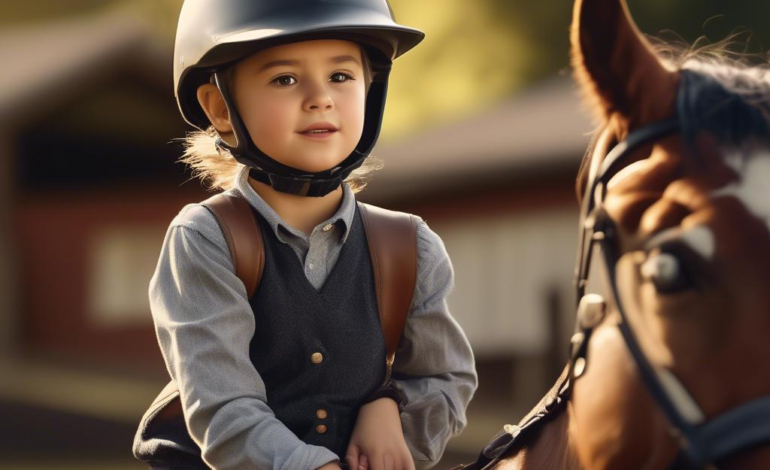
<point x="703" y="443"/>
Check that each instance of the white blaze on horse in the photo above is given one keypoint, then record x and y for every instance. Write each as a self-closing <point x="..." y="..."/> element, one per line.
<point x="670" y="364"/>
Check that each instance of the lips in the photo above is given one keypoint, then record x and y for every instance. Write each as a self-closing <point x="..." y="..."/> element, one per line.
<point x="319" y="128"/>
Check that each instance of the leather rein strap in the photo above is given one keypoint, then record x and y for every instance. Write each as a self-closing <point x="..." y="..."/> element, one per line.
<point x="512" y="437"/>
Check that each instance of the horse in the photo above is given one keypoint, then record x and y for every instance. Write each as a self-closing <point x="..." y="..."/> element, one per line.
<point x="669" y="363"/>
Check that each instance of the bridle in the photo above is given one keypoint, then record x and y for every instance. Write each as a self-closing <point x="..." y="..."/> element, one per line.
<point x="703" y="443"/>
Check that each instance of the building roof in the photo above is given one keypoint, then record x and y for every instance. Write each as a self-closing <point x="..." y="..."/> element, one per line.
<point x="542" y="128"/>
<point x="45" y="63"/>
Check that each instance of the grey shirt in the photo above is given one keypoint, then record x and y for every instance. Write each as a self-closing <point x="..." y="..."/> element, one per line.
<point x="205" y="324"/>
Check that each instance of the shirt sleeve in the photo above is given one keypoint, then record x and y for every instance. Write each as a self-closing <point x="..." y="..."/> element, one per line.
<point x="204" y="325"/>
<point x="434" y="363"/>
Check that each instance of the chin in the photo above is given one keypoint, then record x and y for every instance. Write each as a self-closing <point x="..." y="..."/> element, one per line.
<point x="315" y="162"/>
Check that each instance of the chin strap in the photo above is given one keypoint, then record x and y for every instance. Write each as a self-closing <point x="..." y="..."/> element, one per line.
<point x="296" y="185"/>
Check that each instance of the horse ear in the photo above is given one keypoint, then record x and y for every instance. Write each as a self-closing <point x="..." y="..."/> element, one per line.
<point x="617" y="69"/>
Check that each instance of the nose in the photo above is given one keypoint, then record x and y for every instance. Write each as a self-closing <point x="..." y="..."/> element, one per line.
<point x="317" y="97"/>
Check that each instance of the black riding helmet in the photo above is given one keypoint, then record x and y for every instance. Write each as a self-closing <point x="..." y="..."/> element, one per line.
<point x="214" y="34"/>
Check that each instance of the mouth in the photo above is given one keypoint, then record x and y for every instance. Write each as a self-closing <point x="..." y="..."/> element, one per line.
<point x="319" y="130"/>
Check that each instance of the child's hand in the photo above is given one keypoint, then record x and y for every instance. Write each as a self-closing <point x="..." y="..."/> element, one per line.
<point x="378" y="441"/>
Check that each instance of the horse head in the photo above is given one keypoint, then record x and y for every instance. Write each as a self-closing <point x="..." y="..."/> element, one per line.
<point x="668" y="364"/>
<point x="668" y="360"/>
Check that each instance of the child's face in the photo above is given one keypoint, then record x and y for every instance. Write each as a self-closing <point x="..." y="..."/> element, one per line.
<point x="282" y="91"/>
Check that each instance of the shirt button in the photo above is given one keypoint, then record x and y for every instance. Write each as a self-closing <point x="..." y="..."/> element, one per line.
<point x="328" y="227"/>
<point x="317" y="358"/>
<point x="311" y="266"/>
<point x="321" y="413"/>
<point x="320" y="429"/>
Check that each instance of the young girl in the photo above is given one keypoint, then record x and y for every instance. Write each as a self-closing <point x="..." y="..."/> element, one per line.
<point x="289" y="96"/>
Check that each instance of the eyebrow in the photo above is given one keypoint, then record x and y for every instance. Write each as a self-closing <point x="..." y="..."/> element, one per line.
<point x="344" y="58"/>
<point x="335" y="60"/>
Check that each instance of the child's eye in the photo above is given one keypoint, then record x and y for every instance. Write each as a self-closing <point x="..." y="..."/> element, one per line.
<point x="285" y="80"/>
<point x="340" y="77"/>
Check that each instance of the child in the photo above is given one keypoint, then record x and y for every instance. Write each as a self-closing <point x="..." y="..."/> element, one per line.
<point x="289" y="95"/>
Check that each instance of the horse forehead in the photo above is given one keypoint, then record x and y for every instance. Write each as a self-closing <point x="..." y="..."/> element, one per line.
<point x="752" y="187"/>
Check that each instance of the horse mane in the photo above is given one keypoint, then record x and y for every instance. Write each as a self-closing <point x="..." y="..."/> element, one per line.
<point x="726" y="91"/>
<point x="727" y="61"/>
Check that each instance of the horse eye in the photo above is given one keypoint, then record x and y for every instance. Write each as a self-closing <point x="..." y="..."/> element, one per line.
<point x="665" y="272"/>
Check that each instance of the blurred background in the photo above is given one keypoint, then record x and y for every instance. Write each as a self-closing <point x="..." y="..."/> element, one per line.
<point x="483" y="136"/>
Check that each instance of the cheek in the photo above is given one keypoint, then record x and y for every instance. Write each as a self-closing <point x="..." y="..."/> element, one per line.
<point x="268" y="119"/>
<point x="351" y="108"/>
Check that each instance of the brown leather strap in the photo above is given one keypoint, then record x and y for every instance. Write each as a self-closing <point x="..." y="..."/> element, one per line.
<point x="236" y="218"/>
<point x="392" y="238"/>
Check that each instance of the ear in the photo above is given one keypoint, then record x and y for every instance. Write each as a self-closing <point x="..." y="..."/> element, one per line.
<point x="619" y="73"/>
<point x="210" y="99"/>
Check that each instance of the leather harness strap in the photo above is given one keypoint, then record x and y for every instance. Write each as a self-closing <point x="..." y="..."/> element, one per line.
<point x="244" y="239"/>
<point x="392" y="238"/>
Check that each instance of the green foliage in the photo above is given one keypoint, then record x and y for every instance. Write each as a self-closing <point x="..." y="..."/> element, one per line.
<point x="478" y="52"/>
<point x="545" y="25"/>
<point x="714" y="19"/>
<point x="468" y="60"/>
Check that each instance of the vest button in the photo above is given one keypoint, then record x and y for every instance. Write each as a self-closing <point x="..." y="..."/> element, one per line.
<point x="317" y="358"/>
<point x="321" y="413"/>
<point x="320" y="429"/>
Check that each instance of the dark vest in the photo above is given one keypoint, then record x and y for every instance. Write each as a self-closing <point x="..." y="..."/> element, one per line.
<point x="320" y="353"/>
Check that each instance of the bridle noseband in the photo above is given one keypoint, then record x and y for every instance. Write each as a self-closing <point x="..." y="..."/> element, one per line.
<point x="703" y="443"/>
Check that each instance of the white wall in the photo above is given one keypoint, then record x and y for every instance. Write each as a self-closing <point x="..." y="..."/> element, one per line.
<point x="505" y="269"/>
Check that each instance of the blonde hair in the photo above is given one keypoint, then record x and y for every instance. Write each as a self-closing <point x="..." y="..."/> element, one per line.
<point x="217" y="169"/>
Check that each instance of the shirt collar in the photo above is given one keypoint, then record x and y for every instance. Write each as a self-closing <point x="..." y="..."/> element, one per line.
<point x="342" y="219"/>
